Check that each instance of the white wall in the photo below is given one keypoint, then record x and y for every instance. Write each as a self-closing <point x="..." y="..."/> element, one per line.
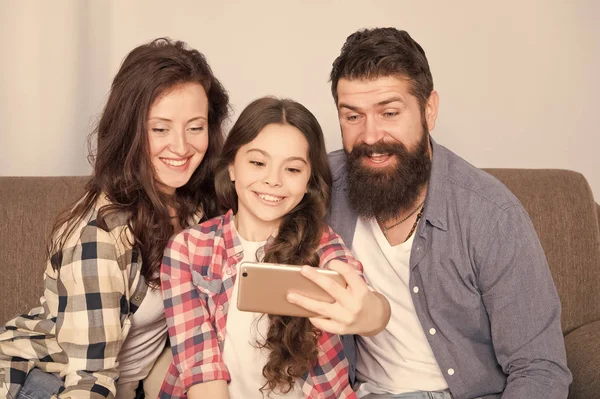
<point x="517" y="79"/>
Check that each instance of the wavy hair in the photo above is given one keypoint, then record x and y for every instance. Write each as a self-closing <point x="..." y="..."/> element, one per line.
<point x="122" y="169"/>
<point x="291" y="341"/>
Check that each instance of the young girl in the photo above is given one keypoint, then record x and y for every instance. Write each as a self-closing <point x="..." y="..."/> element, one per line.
<point x="101" y="317"/>
<point x="274" y="177"/>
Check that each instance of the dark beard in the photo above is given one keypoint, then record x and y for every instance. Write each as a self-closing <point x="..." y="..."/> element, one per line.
<point x="384" y="193"/>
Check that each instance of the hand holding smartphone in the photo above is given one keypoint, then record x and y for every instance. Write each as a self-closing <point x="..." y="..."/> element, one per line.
<point x="263" y="288"/>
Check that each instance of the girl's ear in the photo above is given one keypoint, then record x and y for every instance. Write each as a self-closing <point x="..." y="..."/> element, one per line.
<point x="231" y="172"/>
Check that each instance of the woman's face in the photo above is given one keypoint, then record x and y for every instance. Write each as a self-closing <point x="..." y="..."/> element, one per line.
<point x="271" y="175"/>
<point x="178" y="134"/>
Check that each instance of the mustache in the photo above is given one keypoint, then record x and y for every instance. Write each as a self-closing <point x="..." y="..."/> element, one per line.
<point x="365" y="150"/>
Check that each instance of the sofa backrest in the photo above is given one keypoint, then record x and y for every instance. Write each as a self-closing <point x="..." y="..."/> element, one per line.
<point x="559" y="202"/>
<point x="562" y="209"/>
<point x="28" y="209"/>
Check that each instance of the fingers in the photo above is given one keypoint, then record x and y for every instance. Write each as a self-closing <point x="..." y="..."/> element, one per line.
<point x="328" y="284"/>
<point x="327" y="325"/>
<point x="353" y="279"/>
<point x="323" y="309"/>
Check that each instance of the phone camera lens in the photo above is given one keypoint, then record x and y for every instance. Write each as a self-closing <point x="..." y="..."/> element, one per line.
<point x="244" y="274"/>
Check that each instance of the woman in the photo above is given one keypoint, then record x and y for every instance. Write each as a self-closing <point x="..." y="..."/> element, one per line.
<point x="275" y="179"/>
<point x="101" y="316"/>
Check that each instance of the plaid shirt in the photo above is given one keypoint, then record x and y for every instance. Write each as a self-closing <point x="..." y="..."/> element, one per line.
<point x="197" y="277"/>
<point x="84" y="316"/>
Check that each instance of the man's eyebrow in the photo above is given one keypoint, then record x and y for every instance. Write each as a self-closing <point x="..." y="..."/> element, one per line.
<point x="391" y="100"/>
<point x="350" y="107"/>
<point x="379" y="104"/>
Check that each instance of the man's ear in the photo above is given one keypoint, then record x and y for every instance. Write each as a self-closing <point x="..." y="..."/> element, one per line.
<point x="231" y="172"/>
<point x="431" y="109"/>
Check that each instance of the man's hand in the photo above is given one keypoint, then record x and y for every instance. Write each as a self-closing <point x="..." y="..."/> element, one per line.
<point x="356" y="310"/>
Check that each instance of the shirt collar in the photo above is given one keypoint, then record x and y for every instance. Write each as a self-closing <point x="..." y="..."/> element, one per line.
<point x="436" y="211"/>
<point x="233" y="244"/>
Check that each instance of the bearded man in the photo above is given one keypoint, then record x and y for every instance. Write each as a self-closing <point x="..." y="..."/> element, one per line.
<point x="475" y="313"/>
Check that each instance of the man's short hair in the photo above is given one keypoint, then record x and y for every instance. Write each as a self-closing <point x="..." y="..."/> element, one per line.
<point x="380" y="52"/>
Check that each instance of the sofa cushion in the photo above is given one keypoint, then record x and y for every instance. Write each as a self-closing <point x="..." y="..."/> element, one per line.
<point x="583" y="359"/>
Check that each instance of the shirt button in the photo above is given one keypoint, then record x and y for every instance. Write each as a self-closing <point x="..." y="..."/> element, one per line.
<point x="415" y="289"/>
<point x="228" y="271"/>
<point x="432" y="331"/>
<point x="418" y="247"/>
<point x="450" y="371"/>
<point x="219" y="337"/>
<point x="220" y="307"/>
<point x="137" y="298"/>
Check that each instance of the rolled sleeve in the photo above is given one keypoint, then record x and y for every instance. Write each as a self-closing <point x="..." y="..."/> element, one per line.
<point x="332" y="247"/>
<point x="196" y="353"/>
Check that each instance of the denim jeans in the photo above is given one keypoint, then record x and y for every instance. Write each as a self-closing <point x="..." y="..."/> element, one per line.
<point x="40" y="385"/>
<point x="445" y="394"/>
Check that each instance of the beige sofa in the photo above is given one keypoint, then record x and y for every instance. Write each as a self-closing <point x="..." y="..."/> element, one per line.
<point x="560" y="203"/>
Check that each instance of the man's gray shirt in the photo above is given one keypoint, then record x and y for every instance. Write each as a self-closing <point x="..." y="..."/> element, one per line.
<point x="484" y="284"/>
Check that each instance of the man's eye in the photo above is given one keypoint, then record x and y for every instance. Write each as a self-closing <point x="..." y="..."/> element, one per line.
<point x="391" y="113"/>
<point x="352" y="118"/>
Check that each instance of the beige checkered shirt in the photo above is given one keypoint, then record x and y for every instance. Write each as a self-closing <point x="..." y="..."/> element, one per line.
<point x="84" y="316"/>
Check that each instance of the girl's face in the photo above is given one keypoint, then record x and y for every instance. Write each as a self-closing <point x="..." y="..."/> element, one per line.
<point x="178" y="134"/>
<point x="271" y="175"/>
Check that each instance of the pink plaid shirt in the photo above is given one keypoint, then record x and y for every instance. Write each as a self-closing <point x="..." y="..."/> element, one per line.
<point x="197" y="276"/>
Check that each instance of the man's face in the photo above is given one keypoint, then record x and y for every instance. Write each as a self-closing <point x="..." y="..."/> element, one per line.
<point x="382" y="110"/>
<point x="386" y="138"/>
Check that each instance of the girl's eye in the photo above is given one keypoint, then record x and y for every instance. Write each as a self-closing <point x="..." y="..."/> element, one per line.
<point x="257" y="163"/>
<point x="159" y="130"/>
<point x="294" y="170"/>
<point x="197" y="129"/>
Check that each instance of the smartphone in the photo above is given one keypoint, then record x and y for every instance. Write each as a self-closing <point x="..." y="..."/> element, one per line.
<point x="263" y="288"/>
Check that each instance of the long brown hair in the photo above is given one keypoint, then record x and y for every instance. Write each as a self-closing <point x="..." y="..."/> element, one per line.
<point x="292" y="341"/>
<point x="122" y="167"/>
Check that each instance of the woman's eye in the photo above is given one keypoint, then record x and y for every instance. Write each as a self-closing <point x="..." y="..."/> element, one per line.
<point x="294" y="170"/>
<point x="197" y="129"/>
<point x="257" y="163"/>
<point x="159" y="130"/>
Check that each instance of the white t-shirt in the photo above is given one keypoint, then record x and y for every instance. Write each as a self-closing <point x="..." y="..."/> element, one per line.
<point x="398" y="359"/>
<point x="145" y="342"/>
<point x="243" y="358"/>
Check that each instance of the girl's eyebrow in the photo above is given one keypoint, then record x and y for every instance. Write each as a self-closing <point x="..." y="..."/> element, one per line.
<point x="297" y="159"/>
<point x="266" y="154"/>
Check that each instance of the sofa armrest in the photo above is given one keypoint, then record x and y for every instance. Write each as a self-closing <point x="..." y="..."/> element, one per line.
<point x="583" y="359"/>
